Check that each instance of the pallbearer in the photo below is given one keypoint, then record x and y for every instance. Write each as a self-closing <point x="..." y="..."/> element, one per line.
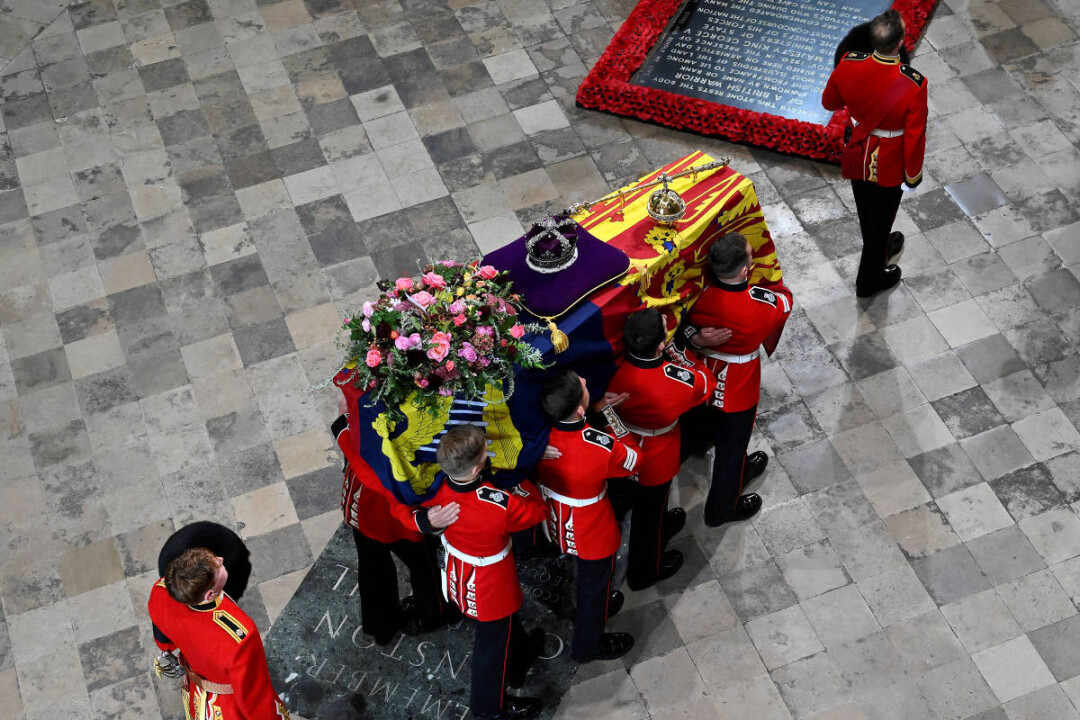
<point x="659" y="392"/>
<point x="369" y="510"/>
<point x="580" y="517"/>
<point x="481" y="576"/>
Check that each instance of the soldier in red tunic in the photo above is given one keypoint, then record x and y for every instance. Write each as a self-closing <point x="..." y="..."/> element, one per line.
<point x="370" y="510"/>
<point x="480" y="575"/>
<point x="886" y="101"/>
<point x="659" y="392"/>
<point x="728" y="323"/>
<point x="580" y="518"/>
<point x="226" y="677"/>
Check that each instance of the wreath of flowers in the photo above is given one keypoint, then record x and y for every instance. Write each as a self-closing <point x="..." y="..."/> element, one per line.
<point x="453" y="330"/>
<point x="607" y="87"/>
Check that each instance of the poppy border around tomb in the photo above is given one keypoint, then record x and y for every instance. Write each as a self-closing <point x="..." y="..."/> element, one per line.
<point x="607" y="87"/>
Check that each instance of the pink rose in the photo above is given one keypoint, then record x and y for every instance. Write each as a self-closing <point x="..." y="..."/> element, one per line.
<point x="467" y="352"/>
<point x="407" y="342"/>
<point x="369" y="307"/>
<point x="456" y="308"/>
<point x="403" y="283"/>
<point x="487" y="272"/>
<point x="517" y="331"/>
<point x="421" y="382"/>
<point x="459" y="320"/>
<point x="374" y="357"/>
<point x="449" y="364"/>
<point x="423" y="298"/>
<point x="440" y="346"/>
<point x="435" y="280"/>
<point x="366" y="325"/>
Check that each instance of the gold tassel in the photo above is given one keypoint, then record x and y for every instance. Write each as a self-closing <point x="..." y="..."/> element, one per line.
<point x="559" y="341"/>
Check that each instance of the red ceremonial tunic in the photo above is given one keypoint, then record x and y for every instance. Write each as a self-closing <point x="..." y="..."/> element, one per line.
<point x="589" y="458"/>
<point x="220" y="643"/>
<point x="365" y="502"/>
<point x="861" y="83"/>
<point x="660" y="391"/>
<point x="753" y="314"/>
<point x="487" y="517"/>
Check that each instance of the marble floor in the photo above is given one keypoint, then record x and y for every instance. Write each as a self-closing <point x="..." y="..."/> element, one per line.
<point x="192" y="193"/>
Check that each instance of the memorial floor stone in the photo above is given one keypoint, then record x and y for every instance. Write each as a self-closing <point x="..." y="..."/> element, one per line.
<point x="325" y="667"/>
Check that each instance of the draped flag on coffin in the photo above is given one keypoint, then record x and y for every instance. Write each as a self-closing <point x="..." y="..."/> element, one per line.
<point x="666" y="271"/>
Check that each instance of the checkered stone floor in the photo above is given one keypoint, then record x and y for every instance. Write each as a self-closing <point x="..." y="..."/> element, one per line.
<point x="193" y="193"/>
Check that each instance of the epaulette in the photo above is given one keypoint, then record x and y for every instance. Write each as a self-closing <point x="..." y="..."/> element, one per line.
<point x="598" y="438"/>
<point x="679" y="374"/>
<point x="763" y="295"/>
<point x="493" y="496"/>
<point x="231" y="625"/>
<point x="912" y="74"/>
<point x="856" y="55"/>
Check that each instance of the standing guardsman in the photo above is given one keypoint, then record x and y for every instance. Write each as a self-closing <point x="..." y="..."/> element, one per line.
<point x="884" y="143"/>
<point x="378" y="523"/>
<point x="580" y="517"/>
<point x="659" y="391"/>
<point x="729" y="323"/>
<point x="481" y="575"/>
<point x="221" y="655"/>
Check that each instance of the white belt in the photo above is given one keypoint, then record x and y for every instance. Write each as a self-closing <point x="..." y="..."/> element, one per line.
<point x="732" y="359"/>
<point x="881" y="133"/>
<point x="572" y="502"/>
<point x="473" y="559"/>
<point x="649" y="433"/>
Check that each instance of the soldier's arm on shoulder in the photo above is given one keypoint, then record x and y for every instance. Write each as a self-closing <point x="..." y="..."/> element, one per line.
<point x="525" y="507"/>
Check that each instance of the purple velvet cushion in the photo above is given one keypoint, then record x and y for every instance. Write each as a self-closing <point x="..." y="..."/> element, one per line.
<point x="553" y="293"/>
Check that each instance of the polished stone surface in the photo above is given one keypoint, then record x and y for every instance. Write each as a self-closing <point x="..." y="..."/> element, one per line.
<point x="192" y="193"/>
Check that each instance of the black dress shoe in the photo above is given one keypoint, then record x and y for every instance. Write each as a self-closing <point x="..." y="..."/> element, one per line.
<point x="670" y="562"/>
<point x="896" y="247"/>
<point x="612" y="646"/>
<point x="755" y="465"/>
<point x="514" y="708"/>
<point x="890" y="278"/>
<point x="615" y="602"/>
<point x="674" y="521"/>
<point x="745" y="508"/>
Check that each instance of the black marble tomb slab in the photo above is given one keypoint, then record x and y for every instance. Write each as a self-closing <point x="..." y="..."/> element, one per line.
<point x="324" y="667"/>
<point x="767" y="56"/>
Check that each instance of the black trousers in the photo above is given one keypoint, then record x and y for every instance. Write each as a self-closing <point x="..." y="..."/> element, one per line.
<point x="502" y="654"/>
<point x="593" y="592"/>
<point x="378" y="583"/>
<point x="649" y="508"/>
<point x="731" y="436"/>
<point x="877" y="208"/>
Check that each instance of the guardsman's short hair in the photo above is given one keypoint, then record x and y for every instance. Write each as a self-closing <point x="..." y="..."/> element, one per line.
<point x="728" y="255"/>
<point x="461" y="449"/>
<point x="190" y="575"/>
<point x="643" y="332"/>
<point x="886" y="31"/>
<point x="561" y="395"/>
